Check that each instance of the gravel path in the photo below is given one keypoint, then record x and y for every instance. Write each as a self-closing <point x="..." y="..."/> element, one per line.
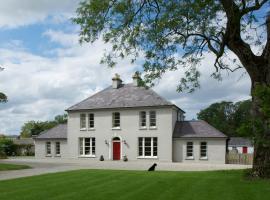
<point x="44" y="166"/>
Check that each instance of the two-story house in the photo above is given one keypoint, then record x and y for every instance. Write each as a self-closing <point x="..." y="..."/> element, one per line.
<point x="127" y="120"/>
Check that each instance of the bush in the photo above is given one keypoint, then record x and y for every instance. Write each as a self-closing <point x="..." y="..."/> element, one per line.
<point x="7" y="147"/>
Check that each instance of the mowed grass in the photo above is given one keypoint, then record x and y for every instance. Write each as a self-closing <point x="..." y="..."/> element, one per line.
<point x="139" y="185"/>
<point x="4" y="167"/>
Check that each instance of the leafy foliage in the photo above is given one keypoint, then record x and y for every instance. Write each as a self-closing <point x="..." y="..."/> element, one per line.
<point x="32" y="128"/>
<point x="173" y="34"/>
<point x="7" y="147"/>
<point x="3" y="98"/>
<point x="227" y="117"/>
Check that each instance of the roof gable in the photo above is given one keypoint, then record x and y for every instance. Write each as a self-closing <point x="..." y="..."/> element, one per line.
<point x="126" y="96"/>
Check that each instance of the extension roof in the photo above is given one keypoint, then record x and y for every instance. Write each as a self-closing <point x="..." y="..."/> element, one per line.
<point x="196" y="129"/>
<point x="57" y="132"/>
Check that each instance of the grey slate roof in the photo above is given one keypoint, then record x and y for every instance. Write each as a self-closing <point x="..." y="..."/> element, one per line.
<point x="196" y="129"/>
<point x="57" y="132"/>
<point x="126" y="96"/>
<point x="239" y="141"/>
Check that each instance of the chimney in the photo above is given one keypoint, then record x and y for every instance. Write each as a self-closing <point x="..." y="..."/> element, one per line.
<point x="116" y="81"/>
<point x="136" y="79"/>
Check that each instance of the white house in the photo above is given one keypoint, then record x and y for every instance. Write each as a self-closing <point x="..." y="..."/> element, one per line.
<point x="127" y="120"/>
<point x="241" y="145"/>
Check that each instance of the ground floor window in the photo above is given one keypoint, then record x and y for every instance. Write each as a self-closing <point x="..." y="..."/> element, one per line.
<point x="203" y="149"/>
<point x="189" y="154"/>
<point x="148" y="147"/>
<point x="57" y="149"/>
<point x="87" y="146"/>
<point x="48" y="149"/>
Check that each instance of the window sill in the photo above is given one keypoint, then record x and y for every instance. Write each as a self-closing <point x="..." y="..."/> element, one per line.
<point x="142" y="128"/>
<point x="91" y="129"/>
<point x="190" y="158"/>
<point x="147" y="157"/>
<point x="58" y="155"/>
<point x="93" y="156"/>
<point x="153" y="128"/>
<point x="48" y="155"/>
<point x="204" y="158"/>
<point x="83" y="129"/>
<point x="116" y="128"/>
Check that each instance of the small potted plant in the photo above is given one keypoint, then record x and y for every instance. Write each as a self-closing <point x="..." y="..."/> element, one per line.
<point x="125" y="159"/>
<point x="101" y="158"/>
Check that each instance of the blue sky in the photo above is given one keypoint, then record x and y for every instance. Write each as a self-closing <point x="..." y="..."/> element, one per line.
<point x="46" y="70"/>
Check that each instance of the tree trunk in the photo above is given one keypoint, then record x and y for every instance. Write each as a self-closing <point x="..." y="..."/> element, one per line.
<point x="261" y="124"/>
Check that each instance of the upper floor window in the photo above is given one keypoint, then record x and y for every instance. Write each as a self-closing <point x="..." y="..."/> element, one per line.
<point x="203" y="150"/>
<point x="189" y="150"/>
<point x="91" y="121"/>
<point x="142" y="119"/>
<point x="48" y="149"/>
<point x="82" y="121"/>
<point x="116" y="120"/>
<point x="152" y="119"/>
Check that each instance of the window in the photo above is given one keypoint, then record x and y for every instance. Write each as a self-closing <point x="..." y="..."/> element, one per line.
<point x="148" y="147"/>
<point x="152" y="116"/>
<point x="87" y="147"/>
<point x="116" y="120"/>
<point x="189" y="150"/>
<point x="91" y="123"/>
<point x="142" y="119"/>
<point x="57" y="149"/>
<point x="203" y="150"/>
<point x="83" y="121"/>
<point x="48" y="148"/>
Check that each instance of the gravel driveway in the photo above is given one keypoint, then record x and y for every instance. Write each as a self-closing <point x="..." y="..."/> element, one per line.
<point x="48" y="165"/>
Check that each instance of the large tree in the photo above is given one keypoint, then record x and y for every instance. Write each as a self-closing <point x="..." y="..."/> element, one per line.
<point x="179" y="33"/>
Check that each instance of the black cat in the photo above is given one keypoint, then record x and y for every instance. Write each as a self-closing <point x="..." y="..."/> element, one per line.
<point x="152" y="168"/>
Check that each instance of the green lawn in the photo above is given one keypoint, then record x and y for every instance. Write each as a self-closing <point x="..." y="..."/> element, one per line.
<point x="4" y="166"/>
<point x="108" y="184"/>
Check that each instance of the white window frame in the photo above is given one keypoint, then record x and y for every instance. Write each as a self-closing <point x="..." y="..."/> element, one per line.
<point x="205" y="157"/>
<point x="188" y="145"/>
<point x="91" y="119"/>
<point x="152" y="118"/>
<point x="143" y="148"/>
<point x="48" y="148"/>
<point x="91" y="147"/>
<point x="141" y="118"/>
<point x="113" y="121"/>
<point x="82" y="128"/>
<point x="57" y="148"/>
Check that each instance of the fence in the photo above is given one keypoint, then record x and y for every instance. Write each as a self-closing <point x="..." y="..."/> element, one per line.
<point x="242" y="159"/>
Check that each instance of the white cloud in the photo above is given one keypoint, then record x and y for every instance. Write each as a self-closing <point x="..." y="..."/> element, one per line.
<point x="14" y="13"/>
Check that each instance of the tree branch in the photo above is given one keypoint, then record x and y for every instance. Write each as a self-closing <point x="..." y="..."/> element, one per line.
<point x="257" y="6"/>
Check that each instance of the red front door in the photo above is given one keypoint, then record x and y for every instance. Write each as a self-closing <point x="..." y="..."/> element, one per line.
<point x="116" y="150"/>
<point x="245" y="149"/>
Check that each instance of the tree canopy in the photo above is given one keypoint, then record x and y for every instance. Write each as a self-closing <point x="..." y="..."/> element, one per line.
<point x="177" y="33"/>
<point x="228" y="117"/>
